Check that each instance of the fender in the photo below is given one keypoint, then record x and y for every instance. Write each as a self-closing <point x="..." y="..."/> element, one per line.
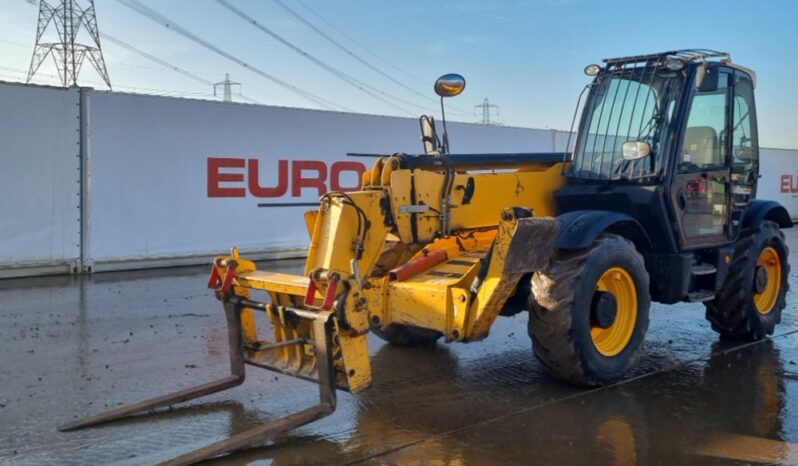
<point x="759" y="210"/>
<point x="578" y="229"/>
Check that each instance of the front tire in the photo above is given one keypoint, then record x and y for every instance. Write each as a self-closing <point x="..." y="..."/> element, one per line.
<point x="575" y="343"/>
<point x="749" y="304"/>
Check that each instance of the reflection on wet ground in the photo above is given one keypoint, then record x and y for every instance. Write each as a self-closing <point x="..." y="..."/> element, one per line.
<point x="71" y="346"/>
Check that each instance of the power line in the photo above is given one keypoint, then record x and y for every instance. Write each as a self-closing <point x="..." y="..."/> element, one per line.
<point x="357" y="57"/>
<point x="121" y="43"/>
<point x="172" y="67"/>
<point x="363" y="47"/>
<point x="155" y="59"/>
<point x="169" y="24"/>
<point x="349" y="79"/>
<point x="156" y="17"/>
<point x="248" y="99"/>
<point x="20" y="74"/>
<point x="161" y="62"/>
<point x="352" y="54"/>
<point x="166" y="22"/>
<point x="15" y="43"/>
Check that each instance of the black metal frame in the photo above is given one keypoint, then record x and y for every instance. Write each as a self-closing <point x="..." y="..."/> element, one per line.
<point x="474" y="161"/>
<point x="479" y="161"/>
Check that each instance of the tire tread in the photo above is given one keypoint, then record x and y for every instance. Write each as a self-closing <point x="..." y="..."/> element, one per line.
<point x="551" y="304"/>
<point x="731" y="313"/>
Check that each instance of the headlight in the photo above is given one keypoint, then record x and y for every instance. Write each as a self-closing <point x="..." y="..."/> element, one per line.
<point x="592" y="70"/>
<point x="674" y="64"/>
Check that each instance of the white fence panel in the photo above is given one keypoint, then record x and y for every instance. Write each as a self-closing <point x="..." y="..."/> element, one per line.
<point x="779" y="178"/>
<point x="178" y="178"/>
<point x="40" y="179"/>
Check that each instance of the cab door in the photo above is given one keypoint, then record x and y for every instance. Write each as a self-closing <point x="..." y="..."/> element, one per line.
<point x="700" y="192"/>
<point x="744" y="160"/>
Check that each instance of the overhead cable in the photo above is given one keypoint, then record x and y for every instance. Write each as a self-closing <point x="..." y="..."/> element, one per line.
<point x="359" y="44"/>
<point x="155" y="59"/>
<point x="154" y="16"/>
<point x="374" y="92"/>
<point x="349" y="52"/>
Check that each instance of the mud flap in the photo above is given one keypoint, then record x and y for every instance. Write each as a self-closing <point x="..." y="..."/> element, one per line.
<point x="531" y="246"/>
<point x="521" y="246"/>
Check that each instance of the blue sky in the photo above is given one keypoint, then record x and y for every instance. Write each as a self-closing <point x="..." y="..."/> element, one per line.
<point x="525" y="56"/>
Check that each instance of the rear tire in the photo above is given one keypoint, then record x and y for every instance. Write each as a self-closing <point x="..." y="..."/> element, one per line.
<point x="738" y="312"/>
<point x="566" y="339"/>
<point x="405" y="335"/>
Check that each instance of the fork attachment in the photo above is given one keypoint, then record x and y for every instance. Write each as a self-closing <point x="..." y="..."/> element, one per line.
<point x="321" y="329"/>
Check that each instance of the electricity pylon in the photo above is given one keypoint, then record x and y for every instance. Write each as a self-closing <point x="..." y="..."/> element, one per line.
<point x="68" y="17"/>
<point x="227" y="88"/>
<point x="486" y="106"/>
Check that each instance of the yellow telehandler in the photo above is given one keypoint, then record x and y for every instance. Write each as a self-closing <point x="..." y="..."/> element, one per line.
<point x="656" y="202"/>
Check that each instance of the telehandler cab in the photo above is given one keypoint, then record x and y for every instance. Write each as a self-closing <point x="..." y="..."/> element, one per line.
<point x="656" y="202"/>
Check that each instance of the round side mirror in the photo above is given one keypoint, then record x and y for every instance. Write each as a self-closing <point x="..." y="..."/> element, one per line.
<point x="450" y="85"/>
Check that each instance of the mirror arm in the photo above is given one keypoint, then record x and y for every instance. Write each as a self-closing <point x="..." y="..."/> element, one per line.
<point x="445" y="148"/>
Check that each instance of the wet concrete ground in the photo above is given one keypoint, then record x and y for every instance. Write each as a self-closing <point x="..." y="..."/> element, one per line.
<point x="71" y="346"/>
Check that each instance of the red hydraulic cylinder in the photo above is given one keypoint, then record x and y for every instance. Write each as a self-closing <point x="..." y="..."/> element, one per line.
<point x="418" y="265"/>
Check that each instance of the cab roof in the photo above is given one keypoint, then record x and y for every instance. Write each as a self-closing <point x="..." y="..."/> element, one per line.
<point x="686" y="55"/>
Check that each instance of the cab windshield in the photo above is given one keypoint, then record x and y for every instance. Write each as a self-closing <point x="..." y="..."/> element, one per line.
<point x="626" y="104"/>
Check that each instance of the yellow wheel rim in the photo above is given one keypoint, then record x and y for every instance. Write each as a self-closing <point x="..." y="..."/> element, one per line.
<point x="766" y="300"/>
<point x="612" y="340"/>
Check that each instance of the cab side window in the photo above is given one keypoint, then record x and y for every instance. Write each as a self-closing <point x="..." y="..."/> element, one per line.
<point x="704" y="142"/>
<point x="745" y="147"/>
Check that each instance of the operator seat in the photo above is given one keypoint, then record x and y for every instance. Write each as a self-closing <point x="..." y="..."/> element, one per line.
<point x="701" y="147"/>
